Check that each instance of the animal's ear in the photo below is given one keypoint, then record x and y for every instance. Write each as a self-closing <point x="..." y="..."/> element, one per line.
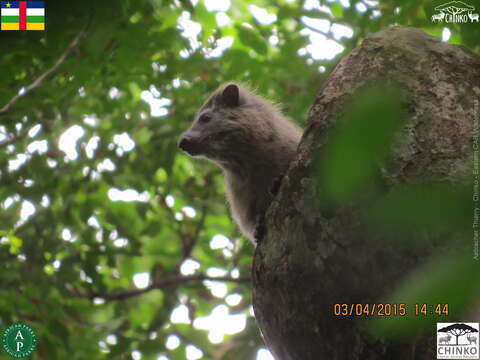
<point x="231" y="95"/>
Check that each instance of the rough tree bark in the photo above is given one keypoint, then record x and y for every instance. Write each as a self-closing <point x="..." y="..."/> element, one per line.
<point x="309" y="260"/>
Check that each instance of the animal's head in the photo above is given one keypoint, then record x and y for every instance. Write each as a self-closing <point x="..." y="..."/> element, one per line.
<point x="230" y="122"/>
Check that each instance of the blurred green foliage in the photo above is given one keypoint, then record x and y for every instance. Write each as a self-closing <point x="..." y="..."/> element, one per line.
<point x="360" y="142"/>
<point x="70" y="248"/>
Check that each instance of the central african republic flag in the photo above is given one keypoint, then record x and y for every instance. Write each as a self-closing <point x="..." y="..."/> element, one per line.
<point x="23" y="15"/>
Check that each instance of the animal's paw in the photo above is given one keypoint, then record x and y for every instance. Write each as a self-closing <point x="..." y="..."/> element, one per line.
<point x="260" y="228"/>
<point x="276" y="185"/>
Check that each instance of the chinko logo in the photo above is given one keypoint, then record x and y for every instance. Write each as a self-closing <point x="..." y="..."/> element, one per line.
<point x="457" y="341"/>
<point x="455" y="12"/>
<point x="23" y="15"/>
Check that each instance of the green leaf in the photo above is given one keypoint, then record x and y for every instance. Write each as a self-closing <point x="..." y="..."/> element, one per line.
<point x="349" y="161"/>
<point x="252" y="39"/>
<point x="436" y="283"/>
<point x="337" y="10"/>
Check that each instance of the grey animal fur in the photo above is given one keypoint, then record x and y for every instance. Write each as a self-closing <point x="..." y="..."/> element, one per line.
<point x="250" y="139"/>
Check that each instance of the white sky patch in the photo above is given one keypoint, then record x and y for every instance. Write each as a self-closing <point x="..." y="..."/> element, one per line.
<point x="235" y="273"/>
<point x="214" y="271"/>
<point x="189" y="267"/>
<point x="111" y="339"/>
<point x="227" y="253"/>
<point x="155" y="92"/>
<point x="90" y="120"/>
<point x="158" y="68"/>
<point x="17" y="163"/>
<point x="262" y="15"/>
<point x="172" y="342"/>
<point x="157" y="106"/>
<point x="136" y="355"/>
<point x="34" y="130"/>
<point x="45" y="201"/>
<point x="120" y="242"/>
<point x="10" y="149"/>
<point x="179" y="216"/>
<point x="222" y="19"/>
<point x="3" y="133"/>
<point x="320" y="24"/>
<point x="86" y="278"/>
<point x="99" y="236"/>
<point x="217" y="5"/>
<point x="180" y="315"/>
<point x="27" y="210"/>
<point x="220" y="323"/>
<point x="92" y="145"/>
<point x="93" y="222"/>
<point x="124" y="141"/>
<point x="193" y="353"/>
<point x="217" y="289"/>
<point x="141" y="280"/>
<point x="176" y="83"/>
<point x="170" y="200"/>
<point x="220" y="241"/>
<point x="315" y="5"/>
<point x="114" y="93"/>
<point x="446" y="33"/>
<point x="103" y="346"/>
<point x="128" y="195"/>
<point x="184" y="53"/>
<point x="361" y="7"/>
<point x="233" y="299"/>
<point x="9" y="201"/>
<point x="106" y="165"/>
<point x="189" y="211"/>
<point x="264" y="354"/>
<point x="68" y="141"/>
<point x="273" y="40"/>
<point x="98" y="301"/>
<point x="67" y="235"/>
<point x="320" y="48"/>
<point x="340" y="31"/>
<point x="40" y="146"/>
<point x="223" y="44"/>
<point x="191" y="29"/>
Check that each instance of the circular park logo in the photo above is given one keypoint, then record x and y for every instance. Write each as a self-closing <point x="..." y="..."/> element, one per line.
<point x="19" y="340"/>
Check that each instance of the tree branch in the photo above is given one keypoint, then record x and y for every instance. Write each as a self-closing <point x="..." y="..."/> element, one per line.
<point x="328" y="35"/>
<point x="38" y="81"/>
<point x="162" y="284"/>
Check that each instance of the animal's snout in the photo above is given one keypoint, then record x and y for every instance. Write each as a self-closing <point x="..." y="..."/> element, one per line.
<point x="189" y="145"/>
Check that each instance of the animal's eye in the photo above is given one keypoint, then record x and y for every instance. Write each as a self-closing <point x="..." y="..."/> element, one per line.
<point x="205" y="118"/>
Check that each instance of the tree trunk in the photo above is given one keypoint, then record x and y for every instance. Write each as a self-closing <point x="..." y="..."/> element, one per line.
<point x="309" y="259"/>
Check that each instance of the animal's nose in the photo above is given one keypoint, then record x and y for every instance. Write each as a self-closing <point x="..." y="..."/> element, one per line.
<point x="188" y="145"/>
<point x="184" y="143"/>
